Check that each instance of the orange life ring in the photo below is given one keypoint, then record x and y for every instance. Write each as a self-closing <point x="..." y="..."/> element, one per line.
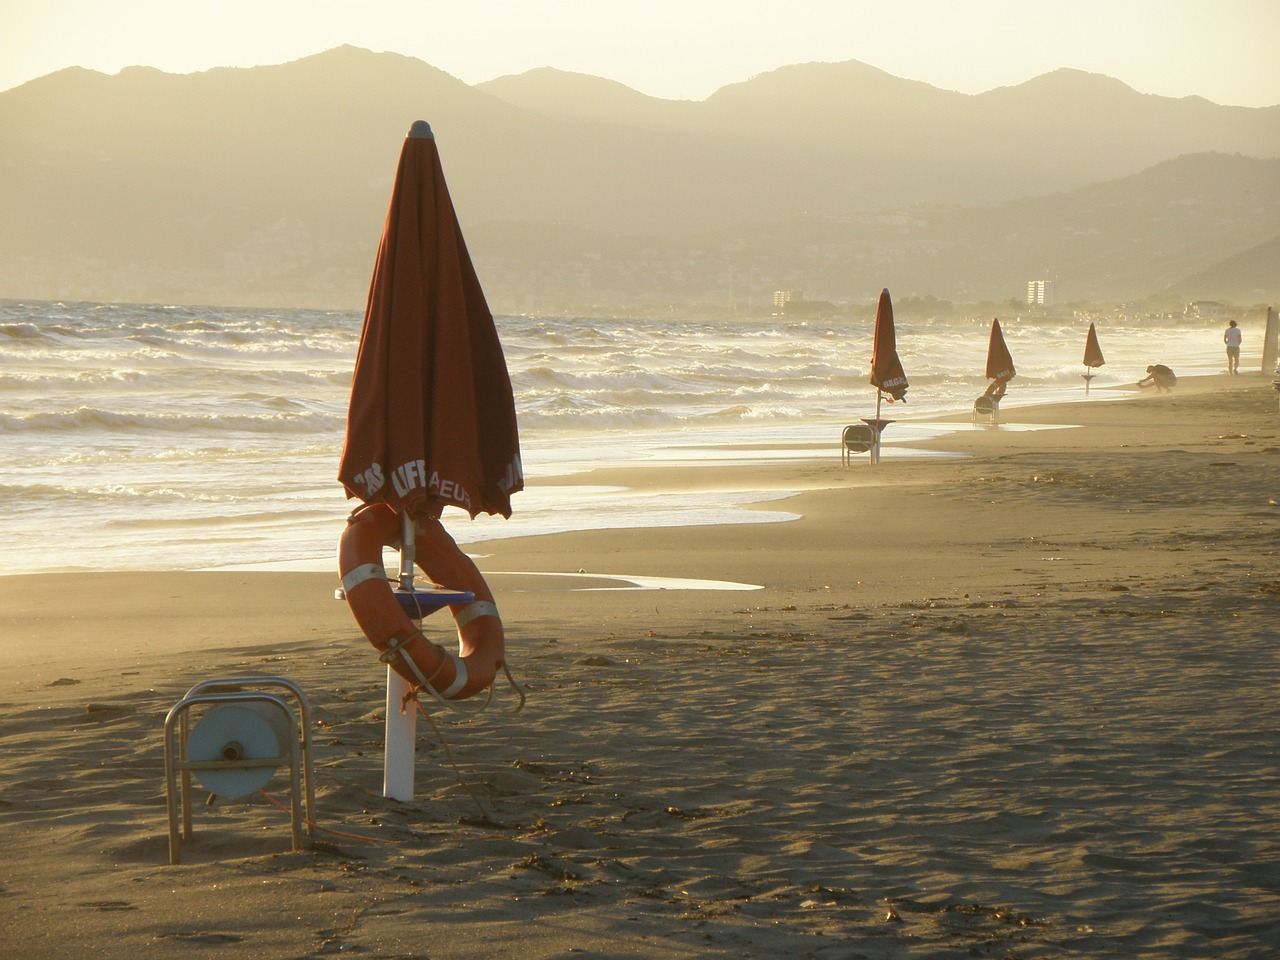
<point x="481" y="644"/>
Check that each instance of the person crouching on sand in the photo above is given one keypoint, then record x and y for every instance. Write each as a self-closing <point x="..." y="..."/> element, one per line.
<point x="1160" y="377"/>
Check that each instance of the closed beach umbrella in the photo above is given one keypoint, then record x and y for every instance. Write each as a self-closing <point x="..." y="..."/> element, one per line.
<point x="1092" y="356"/>
<point x="432" y="418"/>
<point x="1093" y="352"/>
<point x="999" y="360"/>
<point x="887" y="375"/>
<point x="431" y="424"/>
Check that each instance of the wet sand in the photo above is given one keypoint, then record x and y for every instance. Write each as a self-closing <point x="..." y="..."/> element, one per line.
<point x="1020" y="703"/>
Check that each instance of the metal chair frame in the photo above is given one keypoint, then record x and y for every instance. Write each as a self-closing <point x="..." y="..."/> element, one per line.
<point x="989" y="409"/>
<point x="857" y="438"/>
<point x="178" y="767"/>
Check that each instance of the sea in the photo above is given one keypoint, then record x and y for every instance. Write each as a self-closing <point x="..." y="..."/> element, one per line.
<point x="162" y="437"/>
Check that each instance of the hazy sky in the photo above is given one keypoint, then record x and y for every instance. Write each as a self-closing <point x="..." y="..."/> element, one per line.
<point x="1225" y="50"/>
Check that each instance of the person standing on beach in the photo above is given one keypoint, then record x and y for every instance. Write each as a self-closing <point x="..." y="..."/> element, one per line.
<point x="1232" y="337"/>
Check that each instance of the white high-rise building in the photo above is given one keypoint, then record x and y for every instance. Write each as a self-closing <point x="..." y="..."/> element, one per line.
<point x="1040" y="292"/>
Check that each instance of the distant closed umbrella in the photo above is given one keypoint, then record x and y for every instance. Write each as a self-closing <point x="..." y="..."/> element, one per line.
<point x="1093" y="352"/>
<point x="887" y="375"/>
<point x="999" y="360"/>
<point x="432" y="419"/>
<point x="1092" y="356"/>
<point x="886" y="370"/>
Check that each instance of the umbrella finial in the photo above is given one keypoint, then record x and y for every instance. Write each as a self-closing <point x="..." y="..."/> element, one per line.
<point x="421" y="130"/>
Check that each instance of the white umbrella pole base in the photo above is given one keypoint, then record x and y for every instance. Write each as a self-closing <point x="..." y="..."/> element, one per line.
<point x="398" y="757"/>
<point x="398" y="752"/>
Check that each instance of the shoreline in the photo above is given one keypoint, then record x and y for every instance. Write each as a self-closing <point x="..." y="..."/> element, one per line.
<point x="892" y="508"/>
<point x="1020" y="702"/>
<point x="951" y="434"/>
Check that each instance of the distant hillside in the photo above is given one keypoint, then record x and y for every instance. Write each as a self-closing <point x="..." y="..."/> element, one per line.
<point x="268" y="186"/>
<point x="1248" y="277"/>
<point x="580" y="97"/>
<point x="897" y="142"/>
<point x="1147" y="232"/>
<point x="1121" y="240"/>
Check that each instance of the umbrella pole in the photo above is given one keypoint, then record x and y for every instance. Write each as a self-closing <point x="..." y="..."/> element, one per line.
<point x="875" y="444"/>
<point x="408" y="534"/>
<point x="398" y="759"/>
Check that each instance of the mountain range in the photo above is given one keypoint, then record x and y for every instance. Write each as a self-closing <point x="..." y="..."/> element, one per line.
<point x="267" y="186"/>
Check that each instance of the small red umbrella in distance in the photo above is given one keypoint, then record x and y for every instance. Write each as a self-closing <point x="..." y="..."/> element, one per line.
<point x="1092" y="351"/>
<point x="999" y="360"/>
<point x="887" y="375"/>
<point x="1092" y="356"/>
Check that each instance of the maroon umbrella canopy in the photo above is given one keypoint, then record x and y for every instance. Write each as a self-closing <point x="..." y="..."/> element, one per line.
<point x="999" y="360"/>
<point x="1092" y="351"/>
<point x="432" y="419"/>
<point x="887" y="375"/>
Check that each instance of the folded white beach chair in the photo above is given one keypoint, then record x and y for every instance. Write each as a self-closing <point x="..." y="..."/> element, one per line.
<point x="856" y="438"/>
<point x="986" y="408"/>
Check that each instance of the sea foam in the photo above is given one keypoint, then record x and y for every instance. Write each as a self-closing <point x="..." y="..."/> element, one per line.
<point x="160" y="436"/>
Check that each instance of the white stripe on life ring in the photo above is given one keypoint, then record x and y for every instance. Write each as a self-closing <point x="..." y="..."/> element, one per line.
<point x="366" y="571"/>
<point x="473" y="611"/>
<point x="459" y="680"/>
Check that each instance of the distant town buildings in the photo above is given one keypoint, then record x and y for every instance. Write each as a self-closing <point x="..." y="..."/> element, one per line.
<point x="1203" y="310"/>
<point x="1040" y="293"/>
<point x="780" y="300"/>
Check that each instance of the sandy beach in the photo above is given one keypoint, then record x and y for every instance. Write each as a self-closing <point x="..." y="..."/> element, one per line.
<point x="1016" y="700"/>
